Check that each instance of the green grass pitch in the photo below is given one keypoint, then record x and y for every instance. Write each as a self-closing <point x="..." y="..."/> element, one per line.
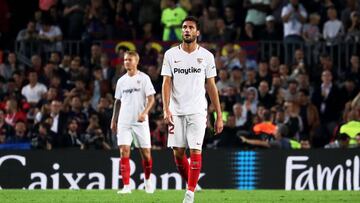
<point x="174" y="196"/>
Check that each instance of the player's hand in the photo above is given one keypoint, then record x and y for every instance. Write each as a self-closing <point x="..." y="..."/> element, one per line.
<point x="243" y="139"/>
<point x="113" y="127"/>
<point x="168" y="117"/>
<point x="218" y="126"/>
<point x="142" y="117"/>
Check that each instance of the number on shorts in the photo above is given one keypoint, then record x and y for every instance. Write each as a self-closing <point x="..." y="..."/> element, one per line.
<point x="171" y="129"/>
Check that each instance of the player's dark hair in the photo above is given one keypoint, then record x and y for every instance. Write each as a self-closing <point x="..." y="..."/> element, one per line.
<point x="282" y="129"/>
<point x="267" y="115"/>
<point x="192" y="19"/>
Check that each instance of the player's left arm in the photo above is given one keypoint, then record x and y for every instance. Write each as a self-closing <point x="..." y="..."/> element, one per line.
<point x="149" y="104"/>
<point x="214" y="97"/>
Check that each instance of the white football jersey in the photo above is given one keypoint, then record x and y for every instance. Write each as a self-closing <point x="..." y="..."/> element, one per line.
<point x="188" y="72"/>
<point x="132" y="92"/>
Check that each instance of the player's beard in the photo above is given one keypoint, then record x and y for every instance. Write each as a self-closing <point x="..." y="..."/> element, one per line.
<point x="189" y="40"/>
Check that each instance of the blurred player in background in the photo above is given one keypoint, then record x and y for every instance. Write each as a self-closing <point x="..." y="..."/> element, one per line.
<point x="134" y="97"/>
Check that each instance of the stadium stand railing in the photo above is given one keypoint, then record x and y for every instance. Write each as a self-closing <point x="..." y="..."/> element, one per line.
<point x="340" y="52"/>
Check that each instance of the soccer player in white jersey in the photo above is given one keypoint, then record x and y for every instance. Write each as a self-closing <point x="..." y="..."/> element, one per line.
<point x="186" y="69"/>
<point x="134" y="97"/>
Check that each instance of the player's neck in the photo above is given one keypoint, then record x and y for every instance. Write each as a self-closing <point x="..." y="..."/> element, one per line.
<point x="189" y="47"/>
<point x="132" y="72"/>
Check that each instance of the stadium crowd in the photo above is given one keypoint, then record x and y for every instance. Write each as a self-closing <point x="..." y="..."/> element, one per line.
<point x="62" y="100"/>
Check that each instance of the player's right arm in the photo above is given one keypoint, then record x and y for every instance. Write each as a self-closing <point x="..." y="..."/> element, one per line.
<point x="116" y="107"/>
<point x="166" y="89"/>
<point x="115" y="115"/>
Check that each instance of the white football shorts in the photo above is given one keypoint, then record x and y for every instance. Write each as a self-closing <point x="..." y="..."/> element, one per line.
<point x="126" y="133"/>
<point x="188" y="131"/>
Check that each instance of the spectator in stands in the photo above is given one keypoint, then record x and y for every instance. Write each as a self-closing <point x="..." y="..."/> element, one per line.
<point x="250" y="101"/>
<point x="14" y="86"/>
<point x="280" y="142"/>
<point x="293" y="119"/>
<point x="333" y="28"/>
<point x="95" y="57"/>
<point x="311" y="32"/>
<point x="75" y="111"/>
<point x="208" y="26"/>
<point x="10" y="66"/>
<point x="251" y="80"/>
<point x="353" y="71"/>
<point x="76" y="71"/>
<point x="249" y="33"/>
<point x="51" y="94"/>
<point x="353" y="30"/>
<point x="36" y="63"/>
<point x="3" y="88"/>
<point x="298" y="65"/>
<point x="245" y="61"/>
<point x="228" y="137"/>
<point x="236" y="78"/>
<point x="99" y="86"/>
<point x="48" y="73"/>
<point x="42" y="137"/>
<point x="104" y="112"/>
<point x="276" y="84"/>
<point x="279" y="115"/>
<point x="326" y="99"/>
<point x="274" y="64"/>
<point x="270" y="32"/>
<point x="349" y="89"/>
<point x="13" y="112"/>
<point x="55" y="58"/>
<point x="147" y="32"/>
<point x="73" y="136"/>
<point x="56" y="14"/>
<point x="303" y="82"/>
<point x="6" y="130"/>
<point x="94" y="137"/>
<point x="230" y="97"/>
<point x="341" y="142"/>
<point x="21" y="134"/>
<point x="256" y="12"/>
<point x="156" y="79"/>
<point x="265" y="129"/>
<point x="298" y="70"/>
<point x="222" y="33"/>
<point x="65" y="63"/>
<point x="346" y="14"/>
<point x="264" y="73"/>
<point x="230" y="56"/>
<point x="29" y="33"/>
<point x="223" y="81"/>
<point x="95" y="19"/>
<point x="241" y="120"/>
<point x="231" y="23"/>
<point x="305" y="144"/>
<point x="50" y="36"/>
<point x="265" y="97"/>
<point x="294" y="16"/>
<point x="35" y="90"/>
<point x="149" y="54"/>
<point x="291" y="93"/>
<point x="326" y="63"/>
<point x="74" y="18"/>
<point x="284" y="73"/>
<point x="171" y="18"/>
